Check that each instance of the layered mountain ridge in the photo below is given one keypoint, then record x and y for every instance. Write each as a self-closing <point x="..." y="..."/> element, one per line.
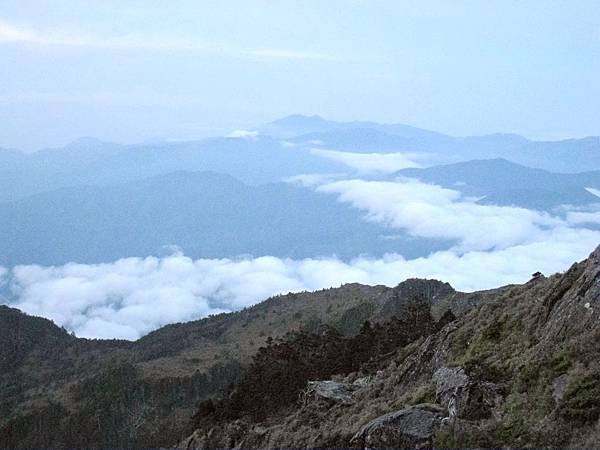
<point x="206" y="214"/>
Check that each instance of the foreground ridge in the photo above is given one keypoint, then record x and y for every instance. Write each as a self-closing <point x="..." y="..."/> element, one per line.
<point x="521" y="368"/>
<point x="417" y="365"/>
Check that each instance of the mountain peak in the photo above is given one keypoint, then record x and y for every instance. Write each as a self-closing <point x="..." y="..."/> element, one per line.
<point x="300" y="119"/>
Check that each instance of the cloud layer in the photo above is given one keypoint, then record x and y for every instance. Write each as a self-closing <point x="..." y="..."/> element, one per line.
<point x="12" y="33"/>
<point x="368" y="163"/>
<point x="430" y="211"/>
<point x="130" y="297"/>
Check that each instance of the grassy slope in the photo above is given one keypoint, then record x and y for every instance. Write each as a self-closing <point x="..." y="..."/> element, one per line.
<point x="522" y="339"/>
<point x="71" y="392"/>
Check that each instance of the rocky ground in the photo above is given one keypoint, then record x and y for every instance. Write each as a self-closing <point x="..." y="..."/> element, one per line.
<point x="57" y="390"/>
<point x="519" y="369"/>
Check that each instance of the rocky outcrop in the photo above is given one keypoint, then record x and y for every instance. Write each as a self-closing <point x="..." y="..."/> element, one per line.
<point x="450" y="385"/>
<point x="428" y="291"/>
<point x="330" y="391"/>
<point x="559" y="387"/>
<point x="573" y="302"/>
<point x="463" y="397"/>
<point x="408" y="428"/>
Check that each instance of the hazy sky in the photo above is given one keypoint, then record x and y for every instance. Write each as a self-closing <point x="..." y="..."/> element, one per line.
<point x="140" y="70"/>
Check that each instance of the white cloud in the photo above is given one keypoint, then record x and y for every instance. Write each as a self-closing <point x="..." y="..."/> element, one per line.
<point x="10" y="33"/>
<point x="3" y="275"/>
<point x="136" y="96"/>
<point x="313" y="179"/>
<point x="366" y="163"/>
<point x="243" y="134"/>
<point x="593" y="191"/>
<point x="130" y="297"/>
<point x="19" y="34"/>
<point x="431" y="211"/>
<point x="583" y="217"/>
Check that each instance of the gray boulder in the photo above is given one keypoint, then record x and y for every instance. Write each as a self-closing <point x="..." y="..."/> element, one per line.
<point x="362" y="382"/>
<point x="450" y="385"/>
<point x="407" y="428"/>
<point x="559" y="386"/>
<point x="328" y="390"/>
<point x="463" y="397"/>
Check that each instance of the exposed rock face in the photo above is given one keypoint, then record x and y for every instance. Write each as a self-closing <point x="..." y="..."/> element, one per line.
<point x="559" y="386"/>
<point x="462" y="397"/>
<point x="408" y="428"/>
<point x="329" y="391"/>
<point x="573" y="301"/>
<point x="450" y="385"/>
<point x="429" y="291"/>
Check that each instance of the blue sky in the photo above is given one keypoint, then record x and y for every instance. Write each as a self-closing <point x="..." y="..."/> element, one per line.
<point x="142" y="70"/>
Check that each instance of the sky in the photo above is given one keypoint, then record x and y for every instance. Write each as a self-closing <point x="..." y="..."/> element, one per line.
<point x="140" y="71"/>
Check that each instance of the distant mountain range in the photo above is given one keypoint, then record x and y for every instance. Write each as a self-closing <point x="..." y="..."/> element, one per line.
<point x="297" y="125"/>
<point x="282" y="150"/>
<point x="501" y="182"/>
<point x="90" y="162"/>
<point x="212" y="215"/>
<point x="570" y="155"/>
<point x="93" y="201"/>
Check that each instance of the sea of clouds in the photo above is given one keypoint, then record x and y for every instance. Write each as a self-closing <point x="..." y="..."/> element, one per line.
<point x="130" y="297"/>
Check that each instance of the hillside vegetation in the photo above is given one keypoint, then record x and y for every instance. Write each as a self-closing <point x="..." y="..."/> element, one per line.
<point x="521" y="369"/>
<point x="61" y="391"/>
